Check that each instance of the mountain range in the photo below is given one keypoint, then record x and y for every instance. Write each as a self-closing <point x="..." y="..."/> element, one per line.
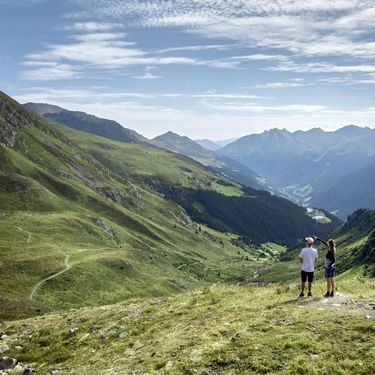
<point x="169" y="141"/>
<point x="316" y="168"/>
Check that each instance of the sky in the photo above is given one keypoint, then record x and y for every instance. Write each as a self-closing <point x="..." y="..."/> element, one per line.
<point x="205" y="69"/>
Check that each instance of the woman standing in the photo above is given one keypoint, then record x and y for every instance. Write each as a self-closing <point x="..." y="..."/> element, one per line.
<point x="329" y="265"/>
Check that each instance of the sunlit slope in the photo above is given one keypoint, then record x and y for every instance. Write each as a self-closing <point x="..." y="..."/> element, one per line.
<point x="355" y="242"/>
<point x="147" y="167"/>
<point x="207" y="197"/>
<point x="223" y="330"/>
<point x="56" y="200"/>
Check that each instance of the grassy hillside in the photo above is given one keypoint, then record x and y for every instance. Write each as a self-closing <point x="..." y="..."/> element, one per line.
<point x="355" y="243"/>
<point x="146" y="166"/>
<point x="123" y="241"/>
<point x="222" y="330"/>
<point x="208" y="198"/>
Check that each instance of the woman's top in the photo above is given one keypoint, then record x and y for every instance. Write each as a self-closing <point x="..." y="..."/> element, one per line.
<point x="330" y="256"/>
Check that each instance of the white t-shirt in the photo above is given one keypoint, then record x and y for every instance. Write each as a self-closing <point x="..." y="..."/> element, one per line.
<point x="308" y="254"/>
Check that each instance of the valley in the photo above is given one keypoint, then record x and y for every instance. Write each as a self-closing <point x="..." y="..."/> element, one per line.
<point x="126" y="257"/>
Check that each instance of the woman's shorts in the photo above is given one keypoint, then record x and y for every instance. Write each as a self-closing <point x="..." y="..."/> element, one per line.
<point x="330" y="272"/>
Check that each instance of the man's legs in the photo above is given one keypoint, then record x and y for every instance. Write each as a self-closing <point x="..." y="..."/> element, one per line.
<point x="309" y="286"/>
<point x="303" y="286"/>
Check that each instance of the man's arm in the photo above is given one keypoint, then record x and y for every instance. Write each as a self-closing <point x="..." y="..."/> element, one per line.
<point x="301" y="260"/>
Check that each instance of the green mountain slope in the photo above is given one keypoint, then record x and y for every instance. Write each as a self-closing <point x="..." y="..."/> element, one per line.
<point x="355" y="242"/>
<point x="218" y="163"/>
<point x="209" y="199"/>
<point x="183" y="145"/>
<point x="122" y="241"/>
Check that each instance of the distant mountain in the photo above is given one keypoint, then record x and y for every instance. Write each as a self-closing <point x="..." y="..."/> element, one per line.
<point x="88" y="123"/>
<point x="225" y="142"/>
<point x="214" y="146"/>
<point x="172" y="142"/>
<point x="303" y="164"/>
<point x="350" y="192"/>
<point x="207" y="144"/>
<point x="43" y="108"/>
<point x="218" y="163"/>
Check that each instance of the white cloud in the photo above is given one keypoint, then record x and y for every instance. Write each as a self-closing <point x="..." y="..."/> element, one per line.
<point x="227" y="96"/>
<point x="251" y="107"/>
<point x="316" y="27"/>
<point x="147" y="76"/>
<point x="277" y="85"/>
<point x="50" y="72"/>
<point x="93" y="26"/>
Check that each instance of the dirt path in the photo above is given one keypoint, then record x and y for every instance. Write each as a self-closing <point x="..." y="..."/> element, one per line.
<point x="29" y="238"/>
<point x="57" y="274"/>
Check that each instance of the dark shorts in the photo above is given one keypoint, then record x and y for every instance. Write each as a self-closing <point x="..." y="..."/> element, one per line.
<point x="307" y="275"/>
<point x="330" y="272"/>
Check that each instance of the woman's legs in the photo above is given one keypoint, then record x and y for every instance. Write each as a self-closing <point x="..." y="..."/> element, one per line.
<point x="332" y="284"/>
<point x="328" y="283"/>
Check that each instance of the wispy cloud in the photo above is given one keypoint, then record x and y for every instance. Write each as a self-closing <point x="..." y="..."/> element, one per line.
<point x="147" y="76"/>
<point x="315" y="27"/>
<point x="251" y="107"/>
<point x="104" y="51"/>
<point x="93" y="26"/>
<point x="278" y="85"/>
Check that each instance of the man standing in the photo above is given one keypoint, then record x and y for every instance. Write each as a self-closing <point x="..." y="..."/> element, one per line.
<point x="308" y="257"/>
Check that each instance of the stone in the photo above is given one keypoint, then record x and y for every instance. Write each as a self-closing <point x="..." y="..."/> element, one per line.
<point x="28" y="371"/>
<point x="4" y="348"/>
<point x="71" y="333"/>
<point x="8" y="363"/>
<point x="287" y="321"/>
<point x="235" y="338"/>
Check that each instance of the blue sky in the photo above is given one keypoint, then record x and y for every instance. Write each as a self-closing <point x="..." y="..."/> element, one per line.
<point x="212" y="69"/>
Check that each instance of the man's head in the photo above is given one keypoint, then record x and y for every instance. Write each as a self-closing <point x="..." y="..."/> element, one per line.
<point x="309" y="241"/>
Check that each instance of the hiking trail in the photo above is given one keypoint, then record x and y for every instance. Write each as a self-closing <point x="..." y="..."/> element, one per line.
<point x="56" y="274"/>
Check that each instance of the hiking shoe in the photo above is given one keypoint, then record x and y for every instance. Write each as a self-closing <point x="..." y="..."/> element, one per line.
<point x="332" y="294"/>
<point x="327" y="295"/>
<point x="309" y="294"/>
<point x="302" y="294"/>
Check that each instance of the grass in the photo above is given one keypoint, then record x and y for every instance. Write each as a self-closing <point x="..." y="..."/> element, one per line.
<point x="108" y="262"/>
<point x="248" y="329"/>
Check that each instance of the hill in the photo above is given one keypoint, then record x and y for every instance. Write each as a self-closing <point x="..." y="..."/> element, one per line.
<point x="58" y="200"/>
<point x="207" y="144"/>
<point x="220" y="164"/>
<point x="77" y="231"/>
<point x="182" y="145"/>
<point x="305" y="165"/>
<point x="215" y="202"/>
<point x="355" y="243"/>
<point x="246" y="329"/>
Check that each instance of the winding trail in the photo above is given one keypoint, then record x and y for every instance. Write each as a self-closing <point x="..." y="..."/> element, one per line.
<point x="57" y="274"/>
<point x="29" y="238"/>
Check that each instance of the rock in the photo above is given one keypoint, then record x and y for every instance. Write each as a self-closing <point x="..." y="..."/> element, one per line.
<point x="8" y="363"/>
<point x="18" y="368"/>
<point x="28" y="371"/>
<point x="71" y="333"/>
<point x="235" y="338"/>
<point x="313" y="356"/>
<point x="4" y="348"/>
<point x="287" y="321"/>
<point x="123" y="334"/>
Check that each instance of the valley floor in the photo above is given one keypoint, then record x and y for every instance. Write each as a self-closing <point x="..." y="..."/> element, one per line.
<point x="248" y="329"/>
